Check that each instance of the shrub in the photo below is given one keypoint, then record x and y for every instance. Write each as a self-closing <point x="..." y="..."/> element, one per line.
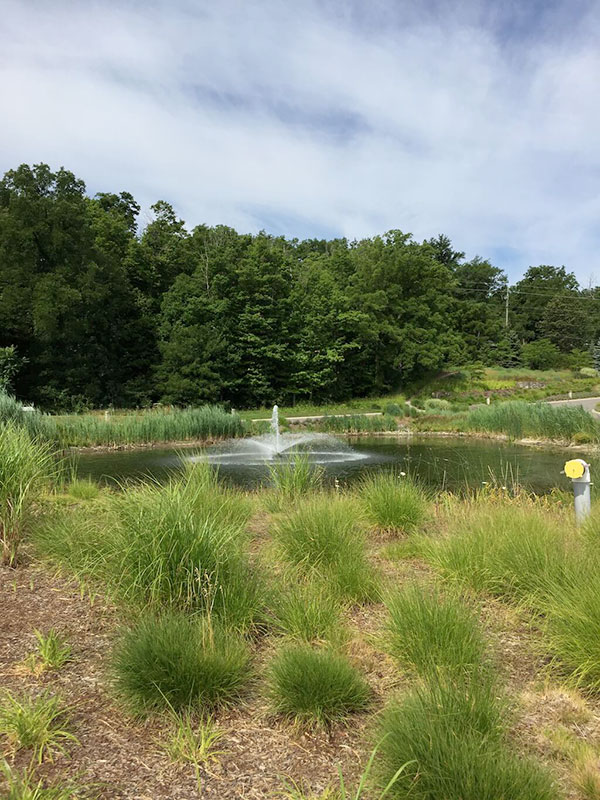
<point x="437" y="404"/>
<point x="450" y="737"/>
<point x="429" y="632"/>
<point x="322" y="535"/>
<point x="315" y="685"/>
<point x="393" y="502"/>
<point x="306" y="611"/>
<point x="26" y="467"/>
<point x="588" y="372"/>
<point x="39" y="724"/>
<point x="178" y="662"/>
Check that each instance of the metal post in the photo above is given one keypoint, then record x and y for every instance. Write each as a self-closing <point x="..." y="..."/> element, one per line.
<point x="579" y="471"/>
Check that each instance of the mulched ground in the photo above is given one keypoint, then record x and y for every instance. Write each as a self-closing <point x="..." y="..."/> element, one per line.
<point x="122" y="758"/>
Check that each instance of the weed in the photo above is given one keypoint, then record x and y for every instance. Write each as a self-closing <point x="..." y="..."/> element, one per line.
<point x="36" y="723"/>
<point x="427" y="631"/>
<point x="22" y="785"/>
<point x="178" y="662"/>
<point x="319" y="686"/>
<point x="194" y="742"/>
<point x="52" y="652"/>
<point x="393" y="502"/>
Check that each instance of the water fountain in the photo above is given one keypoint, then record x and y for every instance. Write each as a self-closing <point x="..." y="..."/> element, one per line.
<point x="318" y="448"/>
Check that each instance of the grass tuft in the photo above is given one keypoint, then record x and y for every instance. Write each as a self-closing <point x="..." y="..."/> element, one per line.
<point x="450" y="736"/>
<point x="83" y="489"/>
<point x="26" y="467"/>
<point x="315" y="686"/>
<point x="429" y="632"/>
<point x="292" y="479"/>
<point x="393" y="502"/>
<point x="23" y="785"/>
<point x="179" y="662"/>
<point x="306" y="611"/>
<point x="322" y="535"/>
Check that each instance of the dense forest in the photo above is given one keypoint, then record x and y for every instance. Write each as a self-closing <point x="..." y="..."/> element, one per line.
<point x="95" y="311"/>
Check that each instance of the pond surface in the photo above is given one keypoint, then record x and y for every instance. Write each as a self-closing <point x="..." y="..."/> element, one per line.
<point x="442" y="463"/>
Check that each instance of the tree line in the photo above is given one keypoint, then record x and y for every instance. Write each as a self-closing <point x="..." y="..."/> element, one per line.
<point x="94" y="312"/>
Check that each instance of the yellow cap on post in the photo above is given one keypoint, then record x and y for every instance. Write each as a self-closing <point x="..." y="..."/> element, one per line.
<point x="574" y="468"/>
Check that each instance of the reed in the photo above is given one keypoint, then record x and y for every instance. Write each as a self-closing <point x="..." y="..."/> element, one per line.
<point x="519" y="419"/>
<point x="356" y="423"/>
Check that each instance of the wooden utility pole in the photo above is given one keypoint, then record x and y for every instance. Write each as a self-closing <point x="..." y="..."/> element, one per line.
<point x="506" y="308"/>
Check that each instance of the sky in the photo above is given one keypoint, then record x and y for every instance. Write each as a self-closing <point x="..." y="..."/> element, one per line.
<point x="314" y="118"/>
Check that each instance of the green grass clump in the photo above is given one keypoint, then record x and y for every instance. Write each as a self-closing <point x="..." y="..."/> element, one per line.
<point x="306" y="611"/>
<point x="26" y="467"/>
<point x="572" y="623"/>
<point x="509" y="551"/>
<point x="293" y="479"/>
<point x="322" y="535"/>
<point x="309" y="685"/>
<point x="39" y="724"/>
<point x="394" y="502"/>
<point x="428" y="632"/>
<point x="180" y="545"/>
<point x="179" y="662"/>
<point x="450" y="735"/>
<point x="83" y="489"/>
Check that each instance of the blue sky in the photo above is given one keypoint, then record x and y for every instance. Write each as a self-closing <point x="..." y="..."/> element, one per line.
<point x="480" y="120"/>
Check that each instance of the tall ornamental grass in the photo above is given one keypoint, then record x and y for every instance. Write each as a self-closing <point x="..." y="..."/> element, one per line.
<point x="179" y="662"/>
<point x="322" y="536"/>
<point x="26" y="468"/>
<point x="515" y="552"/>
<point x="519" y="419"/>
<point x="428" y="632"/>
<point x="451" y="737"/>
<point x="292" y="479"/>
<point x="393" y="501"/>
<point x="306" y="611"/>
<point x="315" y="685"/>
<point x="181" y="545"/>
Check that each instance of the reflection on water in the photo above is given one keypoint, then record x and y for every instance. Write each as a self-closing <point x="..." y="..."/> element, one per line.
<point x="443" y="463"/>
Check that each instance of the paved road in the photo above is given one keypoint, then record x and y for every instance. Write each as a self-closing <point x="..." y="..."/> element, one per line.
<point x="589" y="403"/>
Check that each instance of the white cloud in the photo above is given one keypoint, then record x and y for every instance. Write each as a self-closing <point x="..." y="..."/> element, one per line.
<point x="309" y="113"/>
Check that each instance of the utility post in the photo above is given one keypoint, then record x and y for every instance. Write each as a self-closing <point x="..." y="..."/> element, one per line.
<point x="579" y="471"/>
<point x="506" y="307"/>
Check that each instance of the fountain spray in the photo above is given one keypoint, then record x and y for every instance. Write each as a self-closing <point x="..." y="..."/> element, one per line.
<point x="275" y="428"/>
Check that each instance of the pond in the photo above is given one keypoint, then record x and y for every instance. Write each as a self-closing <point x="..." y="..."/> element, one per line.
<point x="442" y="463"/>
